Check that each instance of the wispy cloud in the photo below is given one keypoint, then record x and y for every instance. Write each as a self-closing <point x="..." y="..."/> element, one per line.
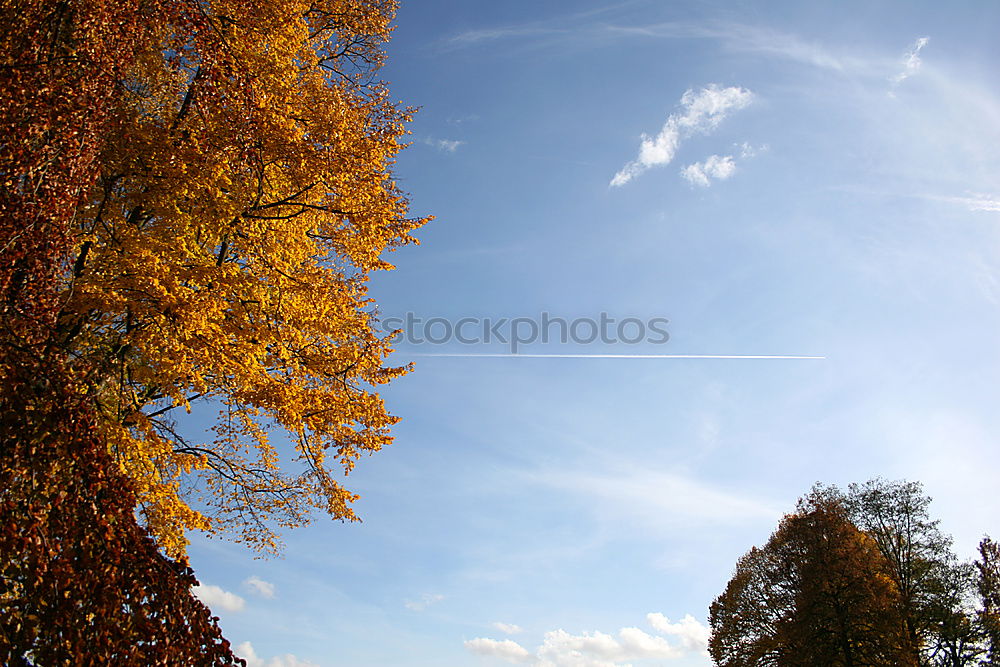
<point x="258" y="586"/>
<point x="656" y="500"/>
<point x="247" y="652"/>
<point x="426" y="600"/>
<point x="983" y="203"/>
<point x="701" y="112"/>
<point x="787" y="46"/>
<point x="586" y="30"/>
<point x="508" y="628"/>
<point x="572" y="25"/>
<point x="444" y="145"/>
<point x="749" y="39"/>
<point x="560" y="648"/>
<point x="580" y="29"/>
<point x="748" y="150"/>
<point x="471" y="37"/>
<point x="911" y="62"/>
<point x="715" y="167"/>
<point x="216" y="598"/>
<point x="972" y="202"/>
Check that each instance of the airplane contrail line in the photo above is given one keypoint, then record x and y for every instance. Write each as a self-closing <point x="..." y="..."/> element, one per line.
<point x="617" y="356"/>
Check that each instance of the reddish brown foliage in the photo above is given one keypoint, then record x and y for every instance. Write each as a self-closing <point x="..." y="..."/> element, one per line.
<point x="80" y="582"/>
<point x="57" y="74"/>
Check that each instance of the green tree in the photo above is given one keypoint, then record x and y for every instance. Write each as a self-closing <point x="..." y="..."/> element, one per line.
<point x="988" y="585"/>
<point x="955" y="636"/>
<point x="896" y="515"/>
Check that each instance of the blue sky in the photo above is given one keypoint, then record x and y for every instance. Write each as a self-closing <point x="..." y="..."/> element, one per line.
<point x="773" y="178"/>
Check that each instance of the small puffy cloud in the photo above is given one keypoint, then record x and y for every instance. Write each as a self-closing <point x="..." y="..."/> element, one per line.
<point x="247" y="652"/>
<point x="911" y="62"/>
<point x="560" y="648"/>
<point x="701" y="112"/>
<point x="691" y="634"/>
<point x="748" y="150"/>
<point x="718" y="167"/>
<point x="216" y="598"/>
<point x="508" y="628"/>
<point x="505" y="649"/>
<point x="444" y="145"/>
<point x="258" y="586"/>
<point x="426" y="600"/>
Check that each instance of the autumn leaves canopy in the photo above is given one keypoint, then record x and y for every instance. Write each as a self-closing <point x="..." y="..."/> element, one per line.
<point x="239" y="195"/>
<point x="193" y="195"/>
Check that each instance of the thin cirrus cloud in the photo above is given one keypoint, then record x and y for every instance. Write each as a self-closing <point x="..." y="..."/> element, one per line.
<point x="598" y="649"/>
<point x="911" y="62"/>
<point x="633" y="497"/>
<point x="734" y="37"/>
<point x="426" y="600"/>
<point x="216" y="598"/>
<point x="701" y="112"/>
<point x="973" y="202"/>
<point x="747" y="39"/>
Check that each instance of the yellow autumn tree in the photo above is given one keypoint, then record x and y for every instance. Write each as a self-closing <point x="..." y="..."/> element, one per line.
<point x="244" y="197"/>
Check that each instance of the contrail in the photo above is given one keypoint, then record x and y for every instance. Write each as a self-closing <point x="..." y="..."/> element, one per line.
<point x="618" y="356"/>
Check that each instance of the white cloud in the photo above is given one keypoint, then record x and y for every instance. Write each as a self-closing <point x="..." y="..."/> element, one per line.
<point x="506" y="649"/>
<point x="598" y="649"/>
<point x="715" y="166"/>
<point x="989" y="203"/>
<point x="255" y="584"/>
<point x="701" y="112"/>
<point x="247" y="652"/>
<point x="748" y="150"/>
<point x="426" y="600"/>
<point x="973" y="202"/>
<point x="446" y="145"/>
<point x="216" y="598"/>
<point x="984" y="204"/>
<point x="508" y="628"/>
<point x="911" y="62"/>
<point x="692" y="635"/>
